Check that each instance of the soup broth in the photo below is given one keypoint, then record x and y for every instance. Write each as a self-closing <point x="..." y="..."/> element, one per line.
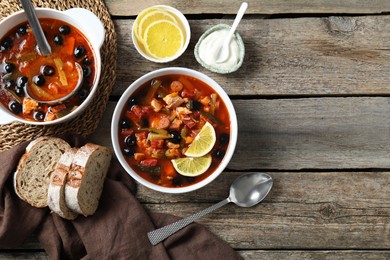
<point x="23" y="68"/>
<point x="161" y="120"/>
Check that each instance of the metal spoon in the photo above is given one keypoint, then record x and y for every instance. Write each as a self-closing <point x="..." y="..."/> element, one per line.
<point x="45" y="50"/>
<point x="32" y="18"/>
<point x="246" y="191"/>
<point x="62" y="99"/>
<point x="223" y="53"/>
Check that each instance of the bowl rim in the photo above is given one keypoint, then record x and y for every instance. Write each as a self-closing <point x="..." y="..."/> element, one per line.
<point x="183" y="21"/>
<point x="44" y="12"/>
<point x="183" y="71"/>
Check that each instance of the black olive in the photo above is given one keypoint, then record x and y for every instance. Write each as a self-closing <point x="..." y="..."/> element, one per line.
<point x="86" y="61"/>
<point x="64" y="29"/>
<point x="125" y="123"/>
<point x="39" y="80"/>
<point x="22" y="30"/>
<point x="177" y="181"/>
<point x="83" y="93"/>
<point x="129" y="151"/>
<point x="21" y="81"/>
<point x="144" y="122"/>
<point x="87" y="71"/>
<point x="224" y="138"/>
<point x="79" y="51"/>
<point x="10" y="84"/>
<point x="39" y="116"/>
<point x="47" y="70"/>
<point x="58" y="40"/>
<point x="131" y="140"/>
<point x="9" y="67"/>
<point x="193" y="105"/>
<point x="131" y="102"/>
<point x="15" y="107"/>
<point x="19" y="91"/>
<point x="6" y="44"/>
<point x="219" y="154"/>
<point x="175" y="137"/>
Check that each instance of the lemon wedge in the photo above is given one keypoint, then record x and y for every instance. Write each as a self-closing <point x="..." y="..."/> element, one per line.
<point x="203" y="142"/>
<point x="192" y="166"/>
<point x="163" y="39"/>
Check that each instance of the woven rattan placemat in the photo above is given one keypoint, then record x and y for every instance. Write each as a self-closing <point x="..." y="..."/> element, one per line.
<point x="87" y="122"/>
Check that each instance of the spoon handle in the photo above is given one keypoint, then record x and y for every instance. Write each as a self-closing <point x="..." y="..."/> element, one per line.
<point x="237" y="20"/>
<point x="158" y="235"/>
<point x="32" y="18"/>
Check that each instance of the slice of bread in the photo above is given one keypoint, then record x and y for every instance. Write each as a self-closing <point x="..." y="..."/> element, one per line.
<point x="85" y="180"/>
<point x="56" y="192"/>
<point x="32" y="177"/>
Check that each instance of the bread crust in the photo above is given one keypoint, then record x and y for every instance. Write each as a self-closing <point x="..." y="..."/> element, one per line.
<point x="83" y="177"/>
<point x="29" y="170"/>
<point x="56" y="190"/>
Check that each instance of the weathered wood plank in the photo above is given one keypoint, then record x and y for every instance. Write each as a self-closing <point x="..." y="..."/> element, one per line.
<point x="309" y="133"/>
<point x="299" y="255"/>
<point x="128" y="7"/>
<point x="24" y="255"/>
<point x="304" y="56"/>
<point x="329" y="210"/>
<point x="256" y="254"/>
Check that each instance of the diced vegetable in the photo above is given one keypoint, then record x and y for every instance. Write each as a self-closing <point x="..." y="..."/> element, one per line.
<point x="40" y="93"/>
<point x="213" y="103"/>
<point x="211" y="117"/>
<point x="152" y="91"/>
<point x="29" y="105"/>
<point x="59" y="64"/>
<point x="155" y="136"/>
<point x="150" y="169"/>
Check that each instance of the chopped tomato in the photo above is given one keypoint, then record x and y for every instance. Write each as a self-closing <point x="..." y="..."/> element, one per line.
<point x="157" y="143"/>
<point x="149" y="162"/>
<point x="187" y="93"/>
<point x="137" y="111"/>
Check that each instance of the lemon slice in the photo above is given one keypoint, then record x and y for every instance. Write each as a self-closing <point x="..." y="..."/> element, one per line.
<point x="192" y="166"/>
<point x="151" y="17"/>
<point x="140" y="17"/>
<point x="203" y="142"/>
<point x="163" y="39"/>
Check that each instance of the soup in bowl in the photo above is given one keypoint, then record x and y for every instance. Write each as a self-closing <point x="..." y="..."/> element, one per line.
<point x="174" y="130"/>
<point x="37" y="89"/>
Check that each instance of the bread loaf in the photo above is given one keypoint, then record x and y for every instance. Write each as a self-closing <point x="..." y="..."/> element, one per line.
<point x="32" y="177"/>
<point x="86" y="177"/>
<point x="56" y="191"/>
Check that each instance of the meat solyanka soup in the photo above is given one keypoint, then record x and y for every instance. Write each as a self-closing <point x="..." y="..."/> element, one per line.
<point x="174" y="131"/>
<point x="29" y="80"/>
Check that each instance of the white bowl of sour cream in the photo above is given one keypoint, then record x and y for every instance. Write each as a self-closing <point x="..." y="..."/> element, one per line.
<point x="209" y="44"/>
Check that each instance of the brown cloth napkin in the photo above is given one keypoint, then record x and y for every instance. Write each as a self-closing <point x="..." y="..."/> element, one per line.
<point x="116" y="231"/>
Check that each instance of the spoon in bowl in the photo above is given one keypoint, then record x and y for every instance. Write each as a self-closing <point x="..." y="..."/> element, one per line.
<point x="246" y="191"/>
<point x="79" y="84"/>
<point x="32" y="18"/>
<point x="223" y="52"/>
<point x="45" y="49"/>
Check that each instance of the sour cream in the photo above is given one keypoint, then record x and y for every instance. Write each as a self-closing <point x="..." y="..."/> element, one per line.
<point x="210" y="45"/>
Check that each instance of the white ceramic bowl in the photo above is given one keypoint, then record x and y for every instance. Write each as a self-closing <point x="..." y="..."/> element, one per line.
<point x="185" y="29"/>
<point x="157" y="73"/>
<point x="87" y="23"/>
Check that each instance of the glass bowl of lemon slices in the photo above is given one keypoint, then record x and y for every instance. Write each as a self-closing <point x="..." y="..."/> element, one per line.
<point x="161" y="33"/>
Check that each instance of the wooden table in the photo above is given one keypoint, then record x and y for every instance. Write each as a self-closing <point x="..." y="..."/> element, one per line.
<point x="313" y="105"/>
